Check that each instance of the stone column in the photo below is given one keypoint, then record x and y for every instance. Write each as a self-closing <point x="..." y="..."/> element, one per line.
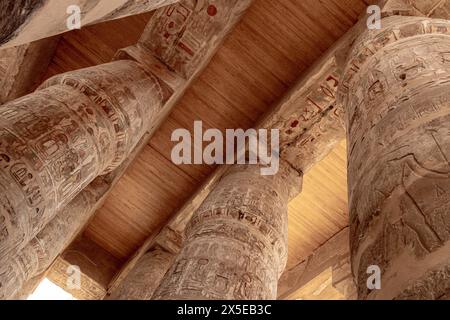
<point x="396" y="92"/>
<point x="54" y="142"/>
<point x="29" y="287"/>
<point x="236" y="243"/>
<point x="144" y="279"/>
<point x="19" y="268"/>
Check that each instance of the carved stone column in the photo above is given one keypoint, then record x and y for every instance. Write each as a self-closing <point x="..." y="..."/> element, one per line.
<point x="54" y="142"/>
<point x="19" y="268"/>
<point x="396" y="92"/>
<point x="144" y="279"/>
<point x="236" y="246"/>
<point x="29" y="287"/>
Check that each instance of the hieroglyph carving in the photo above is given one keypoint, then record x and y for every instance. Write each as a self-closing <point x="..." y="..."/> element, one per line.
<point x="119" y="101"/>
<point x="54" y="142"/>
<point x="308" y="117"/>
<point x="183" y="34"/>
<point x="21" y="266"/>
<point x="396" y="90"/>
<point x="236" y="243"/>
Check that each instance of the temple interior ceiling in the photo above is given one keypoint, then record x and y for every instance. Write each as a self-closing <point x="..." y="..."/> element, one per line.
<point x="262" y="58"/>
<point x="348" y="101"/>
<point x="350" y="96"/>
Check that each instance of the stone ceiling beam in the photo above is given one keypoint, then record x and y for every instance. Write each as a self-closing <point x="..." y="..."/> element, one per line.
<point x="23" y="67"/>
<point x="95" y="265"/>
<point x="25" y="21"/>
<point x="334" y="255"/>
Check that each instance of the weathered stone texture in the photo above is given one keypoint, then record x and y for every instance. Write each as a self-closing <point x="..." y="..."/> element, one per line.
<point x="428" y="7"/>
<point x="29" y="287"/>
<point x="22" y="68"/>
<point x="14" y="13"/>
<point x="334" y="255"/>
<point x="133" y="7"/>
<point x="89" y="289"/>
<point x="25" y="21"/>
<point x="125" y="101"/>
<point x="95" y="265"/>
<point x="442" y="11"/>
<point x="396" y="90"/>
<point x="310" y="120"/>
<point x="144" y="279"/>
<point x="21" y="266"/>
<point x="433" y="285"/>
<point x="54" y="142"/>
<point x="236" y="243"/>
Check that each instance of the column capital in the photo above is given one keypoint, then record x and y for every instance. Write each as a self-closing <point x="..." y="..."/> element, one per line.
<point x="426" y="8"/>
<point x="395" y="29"/>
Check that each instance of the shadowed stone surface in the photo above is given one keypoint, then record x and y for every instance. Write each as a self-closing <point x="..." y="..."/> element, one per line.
<point x="14" y="13"/>
<point x="25" y="21"/>
<point x="396" y="91"/>
<point x="23" y="67"/>
<point x="144" y="279"/>
<point x="20" y="267"/>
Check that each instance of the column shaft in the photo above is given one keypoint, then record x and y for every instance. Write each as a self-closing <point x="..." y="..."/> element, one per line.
<point x="236" y="246"/>
<point x="397" y="97"/>
<point x="19" y="267"/>
<point x="54" y="142"/>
